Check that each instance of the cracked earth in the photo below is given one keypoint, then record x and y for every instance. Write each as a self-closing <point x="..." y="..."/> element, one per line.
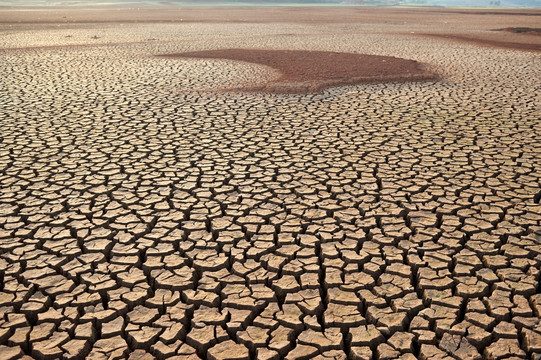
<point x="147" y="213"/>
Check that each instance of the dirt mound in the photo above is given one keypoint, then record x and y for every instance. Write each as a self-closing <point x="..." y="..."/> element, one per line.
<point x="312" y="71"/>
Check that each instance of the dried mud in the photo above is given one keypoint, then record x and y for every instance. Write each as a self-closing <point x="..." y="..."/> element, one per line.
<point x="144" y="214"/>
<point x="312" y="71"/>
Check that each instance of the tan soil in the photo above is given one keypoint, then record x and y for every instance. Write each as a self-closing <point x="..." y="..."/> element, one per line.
<point x="312" y="71"/>
<point x="288" y="14"/>
<point x="469" y="26"/>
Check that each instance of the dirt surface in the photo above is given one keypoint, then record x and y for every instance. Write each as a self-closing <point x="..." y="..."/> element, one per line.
<point x="522" y="30"/>
<point x="144" y="214"/>
<point x="312" y="71"/>
<point x="466" y="26"/>
<point x="265" y="15"/>
<point x="490" y="42"/>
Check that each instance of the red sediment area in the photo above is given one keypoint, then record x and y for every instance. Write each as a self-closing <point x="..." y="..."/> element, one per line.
<point x="312" y="71"/>
<point x="512" y="45"/>
<point x="522" y="30"/>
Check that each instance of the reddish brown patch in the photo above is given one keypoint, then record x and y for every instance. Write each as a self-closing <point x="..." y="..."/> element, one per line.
<point x="311" y="71"/>
<point x="522" y="30"/>
<point x="523" y="46"/>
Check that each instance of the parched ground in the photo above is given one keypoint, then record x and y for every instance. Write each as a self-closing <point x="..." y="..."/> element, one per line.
<point x="304" y="71"/>
<point x="147" y="212"/>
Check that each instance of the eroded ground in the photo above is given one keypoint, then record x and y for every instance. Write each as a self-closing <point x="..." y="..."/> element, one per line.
<point x="146" y="213"/>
